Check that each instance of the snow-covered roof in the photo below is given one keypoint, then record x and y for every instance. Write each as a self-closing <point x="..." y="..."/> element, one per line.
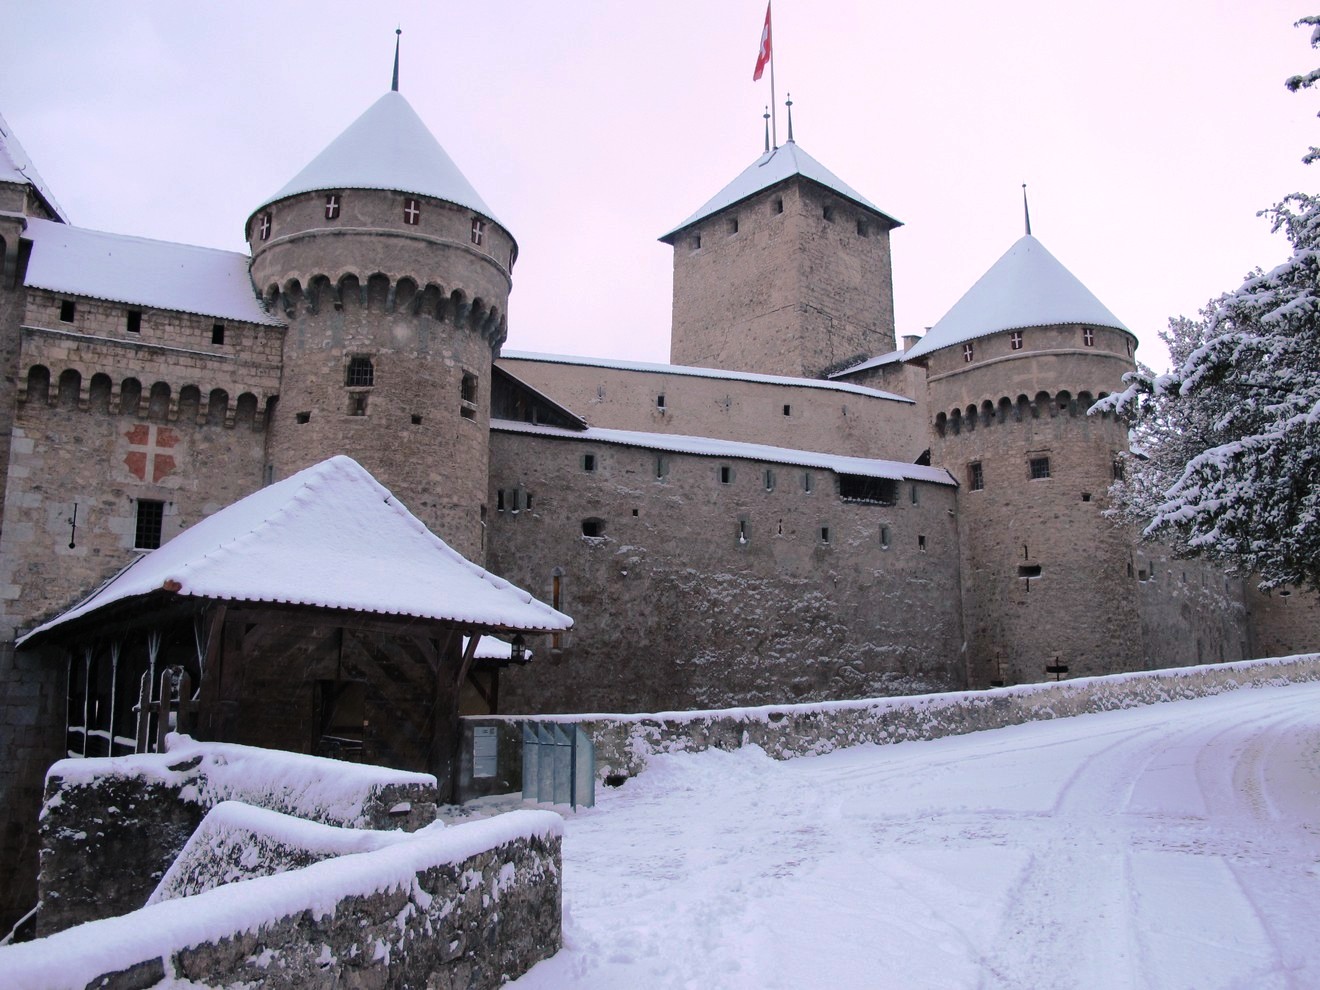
<point x="679" y="369"/>
<point x="330" y="536"/>
<point x="710" y="447"/>
<point x="16" y="166"/>
<point x="1027" y="287"/>
<point x="388" y="147"/>
<point x="141" y="272"/>
<point x="889" y="357"/>
<point x="771" y="168"/>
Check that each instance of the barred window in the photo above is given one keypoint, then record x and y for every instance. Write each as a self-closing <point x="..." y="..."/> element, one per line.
<point x="976" y="476"/>
<point x="150" y="524"/>
<point x="360" y="372"/>
<point x="1040" y="467"/>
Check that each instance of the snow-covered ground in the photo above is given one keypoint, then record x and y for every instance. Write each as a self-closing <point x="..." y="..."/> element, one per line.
<point x="1174" y="846"/>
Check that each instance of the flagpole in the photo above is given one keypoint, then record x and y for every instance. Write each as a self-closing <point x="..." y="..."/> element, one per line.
<point x="774" y="107"/>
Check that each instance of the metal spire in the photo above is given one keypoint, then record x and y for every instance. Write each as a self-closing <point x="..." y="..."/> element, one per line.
<point x="1026" y="213"/>
<point x="394" y="87"/>
<point x="789" y="103"/>
<point x="766" y="115"/>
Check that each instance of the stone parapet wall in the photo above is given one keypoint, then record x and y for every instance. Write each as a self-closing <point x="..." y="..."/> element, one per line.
<point x="805" y="416"/>
<point x="470" y="907"/>
<point x="625" y="742"/>
<point x="110" y="828"/>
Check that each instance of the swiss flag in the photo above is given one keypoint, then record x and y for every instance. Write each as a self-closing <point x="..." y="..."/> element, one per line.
<point x="763" y="56"/>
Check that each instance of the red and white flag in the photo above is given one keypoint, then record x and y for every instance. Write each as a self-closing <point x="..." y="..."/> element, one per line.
<point x="763" y="56"/>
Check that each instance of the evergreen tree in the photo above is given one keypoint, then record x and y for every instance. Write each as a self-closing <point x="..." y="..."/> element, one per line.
<point x="1229" y="440"/>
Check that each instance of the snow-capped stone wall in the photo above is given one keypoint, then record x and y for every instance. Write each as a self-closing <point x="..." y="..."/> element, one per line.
<point x="472" y="906"/>
<point x="624" y="742"/>
<point x="110" y="828"/>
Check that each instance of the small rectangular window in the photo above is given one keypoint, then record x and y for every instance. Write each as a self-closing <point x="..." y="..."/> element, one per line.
<point x="733" y="226"/>
<point x="860" y="488"/>
<point x="68" y="310"/>
<point x="499" y="500"/>
<point x="742" y="531"/>
<point x="134" y="324"/>
<point x="218" y="333"/>
<point x="806" y="482"/>
<point x="1015" y="340"/>
<point x="588" y="462"/>
<point x="726" y="475"/>
<point x="975" y="476"/>
<point x="912" y="493"/>
<point x="302" y="418"/>
<point x="360" y="372"/>
<point x="478" y="231"/>
<point x="969" y="351"/>
<point x="696" y="242"/>
<point x="416" y="420"/>
<point x="824" y="534"/>
<point x="467" y="395"/>
<point x="884" y="537"/>
<point x="779" y="204"/>
<point x="150" y="524"/>
<point x="921" y="543"/>
<point x="1029" y="570"/>
<point x="332" y="206"/>
<point x="788" y="410"/>
<point x="661" y="467"/>
<point x="660" y="401"/>
<point x="828" y="214"/>
<point x="769" y="480"/>
<point x="1040" y="467"/>
<point x="1119" y="471"/>
<point x="861" y="228"/>
<point x="357" y="404"/>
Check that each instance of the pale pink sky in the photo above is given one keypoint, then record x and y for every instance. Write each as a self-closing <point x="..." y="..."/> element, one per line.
<point x="1149" y="131"/>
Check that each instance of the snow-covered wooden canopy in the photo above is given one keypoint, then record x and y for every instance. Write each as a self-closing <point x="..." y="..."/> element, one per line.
<point x="329" y="537"/>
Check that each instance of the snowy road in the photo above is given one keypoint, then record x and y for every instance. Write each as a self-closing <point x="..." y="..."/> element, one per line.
<point x="1166" y="847"/>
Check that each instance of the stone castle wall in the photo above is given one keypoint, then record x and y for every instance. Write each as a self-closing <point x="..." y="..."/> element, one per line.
<point x="107" y="418"/>
<point x="771" y="285"/>
<point x="674" y="609"/>
<point x="801" y="417"/>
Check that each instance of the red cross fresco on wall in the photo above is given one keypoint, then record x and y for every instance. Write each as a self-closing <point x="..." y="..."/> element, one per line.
<point x="151" y="451"/>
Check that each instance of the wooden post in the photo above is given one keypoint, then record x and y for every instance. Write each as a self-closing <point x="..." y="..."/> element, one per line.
<point x="143" y="714"/>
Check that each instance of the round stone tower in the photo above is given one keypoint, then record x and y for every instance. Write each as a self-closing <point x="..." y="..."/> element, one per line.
<point x="1012" y="369"/>
<point x="394" y="277"/>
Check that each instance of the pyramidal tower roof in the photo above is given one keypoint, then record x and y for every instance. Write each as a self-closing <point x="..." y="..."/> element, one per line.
<point x="388" y="147"/>
<point x="1027" y="287"/>
<point x="17" y="167"/>
<point x="771" y="168"/>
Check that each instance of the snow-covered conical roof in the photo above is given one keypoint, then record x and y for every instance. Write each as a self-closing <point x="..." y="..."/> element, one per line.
<point x="773" y="167"/>
<point x="388" y="147"/>
<point x="1027" y="287"/>
<point x="16" y="166"/>
<point x="330" y="536"/>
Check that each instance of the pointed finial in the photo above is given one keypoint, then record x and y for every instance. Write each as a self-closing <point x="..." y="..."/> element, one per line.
<point x="1026" y="213"/>
<point x="789" y="103"/>
<point x="398" y="31"/>
<point x="766" y="115"/>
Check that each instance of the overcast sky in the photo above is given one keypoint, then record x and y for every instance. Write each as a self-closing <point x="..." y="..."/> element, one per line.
<point x="1149" y="131"/>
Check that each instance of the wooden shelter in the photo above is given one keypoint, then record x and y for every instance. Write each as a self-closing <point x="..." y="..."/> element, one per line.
<point x="317" y="615"/>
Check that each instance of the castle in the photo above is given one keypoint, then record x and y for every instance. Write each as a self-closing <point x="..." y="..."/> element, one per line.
<point x="796" y="509"/>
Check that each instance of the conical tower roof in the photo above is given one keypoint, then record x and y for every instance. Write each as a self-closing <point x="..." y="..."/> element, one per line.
<point x="388" y="147"/>
<point x="17" y="167"/>
<point x="1027" y="287"/>
<point x="770" y="169"/>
